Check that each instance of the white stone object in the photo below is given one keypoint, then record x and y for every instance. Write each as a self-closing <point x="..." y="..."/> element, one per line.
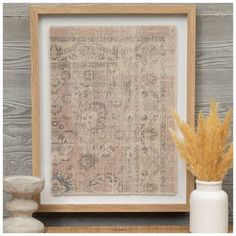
<point x="21" y="207"/>
<point x="208" y="208"/>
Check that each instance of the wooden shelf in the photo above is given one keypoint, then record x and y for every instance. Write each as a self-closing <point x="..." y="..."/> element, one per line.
<point x="123" y="229"/>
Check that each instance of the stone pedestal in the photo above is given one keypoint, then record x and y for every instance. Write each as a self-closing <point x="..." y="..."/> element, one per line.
<point x="21" y="207"/>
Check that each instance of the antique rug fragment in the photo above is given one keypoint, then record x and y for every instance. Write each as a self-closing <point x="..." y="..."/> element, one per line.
<point x="112" y="94"/>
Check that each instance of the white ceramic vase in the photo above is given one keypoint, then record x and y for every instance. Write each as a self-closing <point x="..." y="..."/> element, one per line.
<point x="208" y="208"/>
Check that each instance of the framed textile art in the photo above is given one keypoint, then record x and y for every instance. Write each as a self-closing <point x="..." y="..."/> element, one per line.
<point x="105" y="79"/>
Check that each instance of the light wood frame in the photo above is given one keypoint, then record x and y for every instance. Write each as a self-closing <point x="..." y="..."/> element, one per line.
<point x="102" y="9"/>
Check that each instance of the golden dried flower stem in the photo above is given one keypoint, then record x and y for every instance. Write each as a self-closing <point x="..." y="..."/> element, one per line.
<point x="206" y="150"/>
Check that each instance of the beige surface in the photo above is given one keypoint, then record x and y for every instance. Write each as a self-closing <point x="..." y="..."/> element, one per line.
<point x="21" y="207"/>
<point x="124" y="229"/>
<point x="112" y="93"/>
<point x="23" y="184"/>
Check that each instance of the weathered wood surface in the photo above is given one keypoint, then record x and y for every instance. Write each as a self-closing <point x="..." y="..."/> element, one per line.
<point x="21" y="9"/>
<point x="214" y="79"/>
<point x="210" y="28"/>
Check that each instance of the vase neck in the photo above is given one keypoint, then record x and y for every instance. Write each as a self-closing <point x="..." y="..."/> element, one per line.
<point x="210" y="186"/>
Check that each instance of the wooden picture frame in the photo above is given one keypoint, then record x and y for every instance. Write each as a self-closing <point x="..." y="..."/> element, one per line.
<point x="102" y="9"/>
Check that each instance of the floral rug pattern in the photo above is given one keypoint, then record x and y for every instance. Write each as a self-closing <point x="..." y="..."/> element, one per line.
<point x="112" y="94"/>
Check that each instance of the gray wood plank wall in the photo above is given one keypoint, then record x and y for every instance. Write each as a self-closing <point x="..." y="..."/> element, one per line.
<point x="214" y="79"/>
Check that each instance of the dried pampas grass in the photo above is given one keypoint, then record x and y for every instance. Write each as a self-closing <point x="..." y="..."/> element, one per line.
<point x="206" y="150"/>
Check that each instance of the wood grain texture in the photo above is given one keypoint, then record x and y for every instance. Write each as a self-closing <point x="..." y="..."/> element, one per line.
<point x="191" y="75"/>
<point x="119" y="8"/>
<point x="16" y="55"/>
<point x="120" y="208"/>
<point x="209" y="85"/>
<point x="21" y="9"/>
<point x="210" y="28"/>
<point x="120" y="229"/>
<point x="124" y="229"/>
<point x="213" y="79"/>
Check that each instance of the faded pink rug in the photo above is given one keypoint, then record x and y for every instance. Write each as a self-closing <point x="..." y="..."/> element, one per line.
<point x="112" y="93"/>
